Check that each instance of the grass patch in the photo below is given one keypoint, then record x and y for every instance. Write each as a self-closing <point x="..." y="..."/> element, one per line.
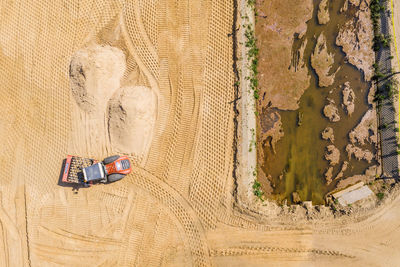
<point x="380" y="195"/>
<point x="257" y="191"/>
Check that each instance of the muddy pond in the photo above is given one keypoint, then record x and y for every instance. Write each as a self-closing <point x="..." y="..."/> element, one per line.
<point x="297" y="163"/>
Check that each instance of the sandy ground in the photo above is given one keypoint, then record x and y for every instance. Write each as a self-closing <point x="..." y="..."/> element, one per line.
<point x="175" y="209"/>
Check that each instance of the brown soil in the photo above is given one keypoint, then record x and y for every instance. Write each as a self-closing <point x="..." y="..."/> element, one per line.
<point x="283" y="78"/>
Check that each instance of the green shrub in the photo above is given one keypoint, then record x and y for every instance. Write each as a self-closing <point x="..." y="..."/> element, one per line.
<point x="257" y="191"/>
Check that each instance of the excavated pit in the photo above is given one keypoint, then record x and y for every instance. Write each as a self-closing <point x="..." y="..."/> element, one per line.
<point x="296" y="162"/>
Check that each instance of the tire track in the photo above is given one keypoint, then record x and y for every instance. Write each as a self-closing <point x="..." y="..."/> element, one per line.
<point x="265" y="250"/>
<point x="181" y="209"/>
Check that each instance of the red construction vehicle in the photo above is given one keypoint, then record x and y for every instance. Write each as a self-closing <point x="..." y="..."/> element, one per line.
<point x="85" y="171"/>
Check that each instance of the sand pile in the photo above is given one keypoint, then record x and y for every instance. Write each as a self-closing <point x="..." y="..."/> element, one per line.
<point x="359" y="153"/>
<point x="115" y="118"/>
<point x="132" y="115"/>
<point x="95" y="74"/>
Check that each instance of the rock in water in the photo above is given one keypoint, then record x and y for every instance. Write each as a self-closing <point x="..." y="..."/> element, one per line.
<point x="348" y="98"/>
<point x="359" y="153"/>
<point x="366" y="130"/>
<point x="327" y="134"/>
<point x="332" y="155"/>
<point x="331" y="112"/>
<point x="296" y="198"/>
<point x="356" y="39"/>
<point x="322" y="61"/>
<point x="323" y="12"/>
<point x="328" y="175"/>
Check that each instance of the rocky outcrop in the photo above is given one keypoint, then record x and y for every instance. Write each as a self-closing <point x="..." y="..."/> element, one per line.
<point x="332" y="155"/>
<point x="359" y="153"/>
<point x="322" y="61"/>
<point x="366" y="130"/>
<point x="323" y="12"/>
<point x="327" y="134"/>
<point x="356" y="39"/>
<point x="331" y="111"/>
<point x="348" y="98"/>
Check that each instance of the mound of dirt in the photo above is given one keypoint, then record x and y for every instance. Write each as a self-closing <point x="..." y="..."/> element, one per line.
<point x="131" y="119"/>
<point x="95" y="73"/>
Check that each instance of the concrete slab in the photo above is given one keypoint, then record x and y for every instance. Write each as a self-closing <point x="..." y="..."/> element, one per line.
<point x="355" y="195"/>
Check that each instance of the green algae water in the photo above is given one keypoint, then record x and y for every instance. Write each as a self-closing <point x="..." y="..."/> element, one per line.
<point x="299" y="164"/>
